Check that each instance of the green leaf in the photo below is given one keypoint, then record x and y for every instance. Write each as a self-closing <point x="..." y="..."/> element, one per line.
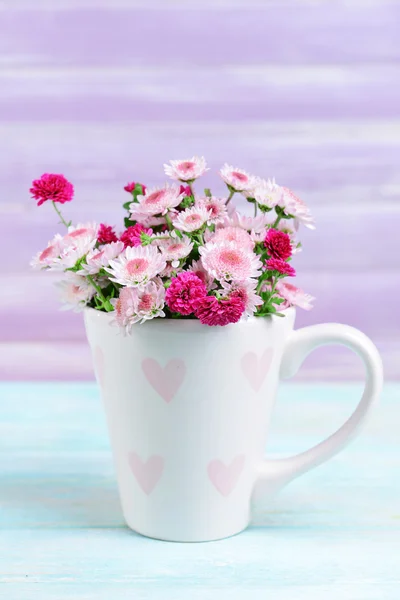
<point x="126" y="205"/>
<point x="277" y="300"/>
<point x="128" y="222"/>
<point x="207" y="192"/>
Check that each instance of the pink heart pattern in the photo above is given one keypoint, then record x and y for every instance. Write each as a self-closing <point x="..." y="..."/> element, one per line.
<point x="225" y="477"/>
<point x="99" y="365"/>
<point x="148" y="473"/>
<point x="165" y="381"/>
<point x="255" y="370"/>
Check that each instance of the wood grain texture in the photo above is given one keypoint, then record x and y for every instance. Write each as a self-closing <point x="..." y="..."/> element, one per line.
<point x="332" y="533"/>
<point x="304" y="32"/>
<point x="286" y="93"/>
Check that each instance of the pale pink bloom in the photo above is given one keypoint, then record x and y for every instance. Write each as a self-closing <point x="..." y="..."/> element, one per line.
<point x="233" y="234"/>
<point x="216" y="207"/>
<point x="293" y="296"/>
<point x="45" y="259"/>
<point x="254" y="224"/>
<point x="75" y="292"/>
<point x="80" y="231"/>
<point x="157" y="201"/>
<point x="296" y="207"/>
<point x="174" y="249"/>
<point x="98" y="258"/>
<point x="136" y="305"/>
<point x="246" y="291"/>
<point x="74" y="249"/>
<point x="191" y="219"/>
<point x="230" y="262"/>
<point x="267" y="193"/>
<point x="197" y="268"/>
<point x="237" y="179"/>
<point x="145" y="220"/>
<point x="188" y="169"/>
<point x="136" y="266"/>
<point x="170" y="271"/>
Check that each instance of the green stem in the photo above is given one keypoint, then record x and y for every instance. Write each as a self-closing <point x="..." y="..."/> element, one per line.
<point x="169" y="222"/>
<point x="278" y="218"/>
<point x="63" y="221"/>
<point x="231" y="194"/>
<point x="97" y="288"/>
<point x="255" y="209"/>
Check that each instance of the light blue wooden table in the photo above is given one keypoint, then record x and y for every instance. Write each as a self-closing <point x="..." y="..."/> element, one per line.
<point x="332" y="535"/>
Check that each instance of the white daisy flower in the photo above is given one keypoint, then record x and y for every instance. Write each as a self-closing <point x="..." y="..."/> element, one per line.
<point x="187" y="169"/>
<point x="157" y="201"/>
<point x="238" y="179"/>
<point x="136" y="266"/>
<point x="75" y="292"/>
<point x="97" y="259"/>
<point x="230" y="262"/>
<point x="191" y="219"/>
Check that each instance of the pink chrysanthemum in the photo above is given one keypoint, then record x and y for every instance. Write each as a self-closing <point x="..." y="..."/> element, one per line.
<point x="174" y="248"/>
<point x="45" y="259"/>
<point x="296" y="207"/>
<point x="75" y="292"/>
<point x="197" y="268"/>
<point x="293" y="296"/>
<point x="233" y="234"/>
<point x="278" y="244"/>
<point x="136" y="266"/>
<point x="132" y="235"/>
<point x="282" y="267"/>
<point x="246" y="291"/>
<point x="216" y="208"/>
<point x="106" y="234"/>
<point x="251" y="224"/>
<point x="186" y="170"/>
<point x="98" y="258"/>
<point x="136" y="305"/>
<point x="156" y="201"/>
<point x="191" y="219"/>
<point x="237" y="179"/>
<point x="52" y="187"/>
<point x="184" y="293"/>
<point x="211" y="311"/>
<point x="129" y="187"/>
<point x="267" y="193"/>
<point x="229" y="261"/>
<point x="81" y="231"/>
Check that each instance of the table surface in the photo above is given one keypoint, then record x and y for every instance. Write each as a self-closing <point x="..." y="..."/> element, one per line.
<point x="332" y="534"/>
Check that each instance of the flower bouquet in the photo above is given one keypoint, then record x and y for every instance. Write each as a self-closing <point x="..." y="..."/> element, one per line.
<point x="182" y="254"/>
<point x="188" y="404"/>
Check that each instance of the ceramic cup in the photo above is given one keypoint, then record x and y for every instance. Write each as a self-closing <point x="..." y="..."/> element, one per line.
<point x="188" y="409"/>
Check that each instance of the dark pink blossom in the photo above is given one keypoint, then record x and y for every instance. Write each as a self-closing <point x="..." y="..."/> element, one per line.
<point x="52" y="187"/>
<point x="106" y="234"/>
<point x="211" y="311"/>
<point x="283" y="267"/>
<point x="278" y="244"/>
<point x="131" y="186"/>
<point x="185" y="291"/>
<point x="185" y="189"/>
<point x="132" y="235"/>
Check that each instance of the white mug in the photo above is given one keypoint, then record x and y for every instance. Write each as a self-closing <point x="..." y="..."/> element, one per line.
<point x="188" y="409"/>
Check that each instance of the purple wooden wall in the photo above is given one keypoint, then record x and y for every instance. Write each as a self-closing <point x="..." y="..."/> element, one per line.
<point x="105" y="91"/>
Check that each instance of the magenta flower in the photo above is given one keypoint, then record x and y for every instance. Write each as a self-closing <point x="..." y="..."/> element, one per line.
<point x="185" y="189"/>
<point x="132" y="235"/>
<point x="106" y="234"/>
<point x="131" y="186"/>
<point x="281" y="266"/>
<point x="211" y="311"/>
<point x="278" y="244"/>
<point x="52" y="187"/>
<point x="184" y="293"/>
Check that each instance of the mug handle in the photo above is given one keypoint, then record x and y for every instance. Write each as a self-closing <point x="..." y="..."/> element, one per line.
<point x="274" y="474"/>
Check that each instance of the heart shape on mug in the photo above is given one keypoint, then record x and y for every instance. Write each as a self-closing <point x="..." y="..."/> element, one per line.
<point x="254" y="369"/>
<point x="225" y="477"/>
<point x="99" y="365"/>
<point x="165" y="381"/>
<point x="148" y="473"/>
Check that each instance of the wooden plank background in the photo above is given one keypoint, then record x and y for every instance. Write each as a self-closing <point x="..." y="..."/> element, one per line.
<point x="304" y="90"/>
